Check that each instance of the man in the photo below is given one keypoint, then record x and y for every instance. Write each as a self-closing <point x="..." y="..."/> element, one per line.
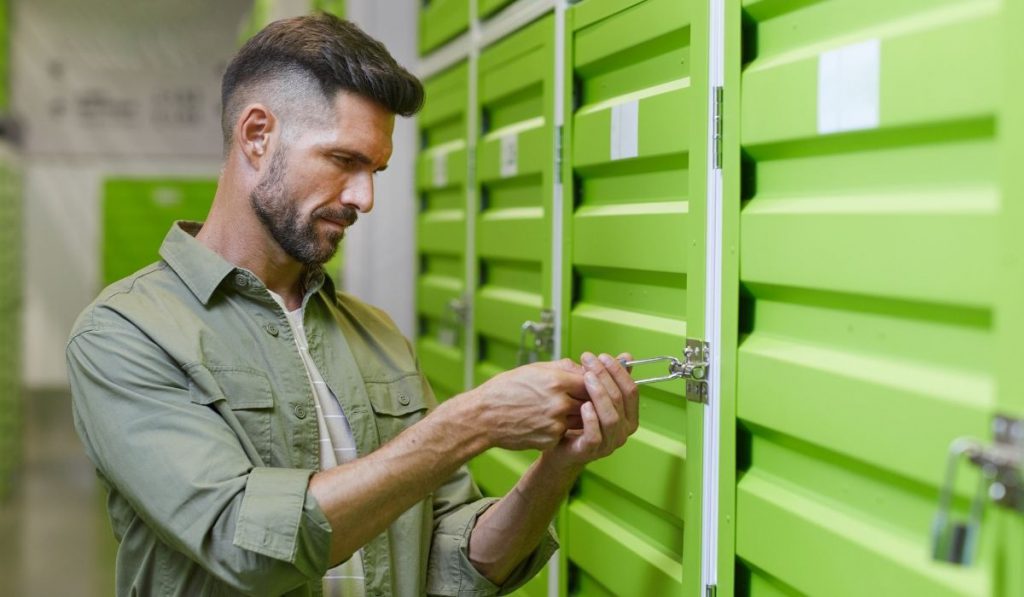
<point x="260" y="433"/>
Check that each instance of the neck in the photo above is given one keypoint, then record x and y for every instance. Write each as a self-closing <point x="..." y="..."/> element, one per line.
<point x="233" y="231"/>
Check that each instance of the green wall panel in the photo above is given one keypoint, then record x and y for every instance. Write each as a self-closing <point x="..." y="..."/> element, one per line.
<point x="514" y="170"/>
<point x="632" y="523"/>
<point x="441" y="175"/>
<point x="138" y="212"/>
<point x="442" y="21"/>
<point x="865" y="228"/>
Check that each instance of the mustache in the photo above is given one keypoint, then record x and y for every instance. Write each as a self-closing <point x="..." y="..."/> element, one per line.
<point x="346" y="215"/>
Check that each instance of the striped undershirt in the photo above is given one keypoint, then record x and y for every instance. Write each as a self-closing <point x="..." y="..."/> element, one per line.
<point x="337" y="446"/>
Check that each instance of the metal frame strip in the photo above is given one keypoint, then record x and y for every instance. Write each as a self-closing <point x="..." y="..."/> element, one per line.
<point x="713" y="302"/>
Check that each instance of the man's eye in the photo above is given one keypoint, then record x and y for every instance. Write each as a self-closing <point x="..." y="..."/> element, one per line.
<point x="344" y="160"/>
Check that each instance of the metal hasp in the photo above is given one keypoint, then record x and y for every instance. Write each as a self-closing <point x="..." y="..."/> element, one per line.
<point x="693" y="368"/>
<point x="456" y="311"/>
<point x="1001" y="464"/>
<point x="543" y="333"/>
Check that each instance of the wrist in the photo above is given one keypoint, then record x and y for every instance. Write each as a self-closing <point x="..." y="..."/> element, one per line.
<point x="463" y="417"/>
<point x="558" y="463"/>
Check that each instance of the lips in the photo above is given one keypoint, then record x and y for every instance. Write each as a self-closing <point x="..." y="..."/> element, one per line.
<point x="344" y="219"/>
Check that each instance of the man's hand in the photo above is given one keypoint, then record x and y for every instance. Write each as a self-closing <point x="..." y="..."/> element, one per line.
<point x="608" y="418"/>
<point x="532" y="406"/>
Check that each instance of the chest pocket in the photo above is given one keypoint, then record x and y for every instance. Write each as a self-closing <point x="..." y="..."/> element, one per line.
<point x="249" y="404"/>
<point x="396" y="404"/>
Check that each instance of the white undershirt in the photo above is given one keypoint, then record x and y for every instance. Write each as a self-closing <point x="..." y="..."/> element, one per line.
<point x="337" y="446"/>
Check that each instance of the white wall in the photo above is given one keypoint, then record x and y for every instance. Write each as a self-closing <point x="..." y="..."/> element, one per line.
<point x="104" y="87"/>
<point x="380" y="250"/>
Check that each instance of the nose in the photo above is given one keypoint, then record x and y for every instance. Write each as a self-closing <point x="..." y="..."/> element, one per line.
<point x="358" y="193"/>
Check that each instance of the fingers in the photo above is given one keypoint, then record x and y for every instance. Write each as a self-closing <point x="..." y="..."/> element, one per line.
<point x="590" y="439"/>
<point x="598" y="367"/>
<point x="631" y="401"/>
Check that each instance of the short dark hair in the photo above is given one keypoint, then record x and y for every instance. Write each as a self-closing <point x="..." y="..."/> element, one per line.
<point x="334" y="52"/>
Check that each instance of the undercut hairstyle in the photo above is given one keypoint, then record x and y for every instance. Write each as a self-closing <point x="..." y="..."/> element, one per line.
<point x="297" y="66"/>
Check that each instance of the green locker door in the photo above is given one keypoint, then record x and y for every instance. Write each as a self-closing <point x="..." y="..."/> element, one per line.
<point x="441" y="172"/>
<point x="486" y="8"/>
<point x="514" y="170"/>
<point x="1010" y="313"/>
<point x="138" y="212"/>
<point x="635" y="265"/>
<point x="441" y="21"/>
<point x="869" y="203"/>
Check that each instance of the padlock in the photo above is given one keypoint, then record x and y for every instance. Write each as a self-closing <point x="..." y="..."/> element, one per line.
<point x="956" y="541"/>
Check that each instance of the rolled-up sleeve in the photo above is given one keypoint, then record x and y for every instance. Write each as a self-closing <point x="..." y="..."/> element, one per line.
<point x="185" y="472"/>
<point x="450" y="571"/>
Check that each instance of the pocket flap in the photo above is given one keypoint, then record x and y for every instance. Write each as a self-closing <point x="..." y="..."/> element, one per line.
<point x="399" y="397"/>
<point x="241" y="387"/>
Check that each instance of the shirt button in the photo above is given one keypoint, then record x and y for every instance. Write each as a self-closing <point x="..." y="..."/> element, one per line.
<point x="403" y="400"/>
<point x="300" y="411"/>
<point x="241" y="281"/>
<point x="272" y="329"/>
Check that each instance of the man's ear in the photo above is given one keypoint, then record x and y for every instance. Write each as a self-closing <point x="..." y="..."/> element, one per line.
<point x="254" y="131"/>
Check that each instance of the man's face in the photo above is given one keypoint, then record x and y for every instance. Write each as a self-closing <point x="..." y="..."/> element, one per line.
<point x="316" y="185"/>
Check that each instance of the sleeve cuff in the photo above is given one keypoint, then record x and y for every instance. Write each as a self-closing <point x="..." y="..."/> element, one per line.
<point x="280" y="519"/>
<point x="450" y="571"/>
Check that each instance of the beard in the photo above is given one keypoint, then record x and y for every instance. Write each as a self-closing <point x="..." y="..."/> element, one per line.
<point x="278" y="209"/>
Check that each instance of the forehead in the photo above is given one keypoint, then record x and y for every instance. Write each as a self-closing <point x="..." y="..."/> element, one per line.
<point x="358" y="124"/>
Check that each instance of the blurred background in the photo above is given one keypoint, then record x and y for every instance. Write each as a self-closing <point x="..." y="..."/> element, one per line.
<point x="110" y="131"/>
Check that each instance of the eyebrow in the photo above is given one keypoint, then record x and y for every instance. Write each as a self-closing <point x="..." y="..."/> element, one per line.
<point x="358" y="156"/>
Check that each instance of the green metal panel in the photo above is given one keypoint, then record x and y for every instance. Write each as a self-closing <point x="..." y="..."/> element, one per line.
<point x="1010" y="305"/>
<point x="486" y="8"/>
<point x="635" y="266"/>
<point x="138" y="212"/>
<point x="514" y="169"/>
<point x="441" y="174"/>
<point x="441" y="21"/>
<point x="867" y="233"/>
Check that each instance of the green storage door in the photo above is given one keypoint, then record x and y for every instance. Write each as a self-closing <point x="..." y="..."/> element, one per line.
<point x="137" y="213"/>
<point x="486" y="8"/>
<point x="630" y="525"/>
<point x="441" y="171"/>
<point x="442" y="21"/>
<point x="514" y="169"/>
<point x="868" y="230"/>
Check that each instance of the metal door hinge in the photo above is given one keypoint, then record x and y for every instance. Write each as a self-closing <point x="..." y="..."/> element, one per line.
<point x="1002" y="471"/>
<point x="543" y="333"/>
<point x="717" y="123"/>
<point x="693" y="367"/>
<point x="711" y="591"/>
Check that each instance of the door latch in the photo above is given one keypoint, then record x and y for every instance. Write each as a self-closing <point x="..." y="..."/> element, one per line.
<point x="693" y="367"/>
<point x="1000" y="477"/>
<point x="456" y="311"/>
<point x="543" y="333"/>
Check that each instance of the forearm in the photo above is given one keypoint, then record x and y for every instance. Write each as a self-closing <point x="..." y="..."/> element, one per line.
<point x="513" y="527"/>
<point x="362" y="498"/>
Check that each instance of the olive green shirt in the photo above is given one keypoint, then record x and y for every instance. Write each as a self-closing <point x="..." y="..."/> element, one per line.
<point x="193" y="402"/>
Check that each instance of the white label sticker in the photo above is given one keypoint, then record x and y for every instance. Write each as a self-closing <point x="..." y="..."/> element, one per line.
<point x="625" y="136"/>
<point x="441" y="169"/>
<point x="848" y="88"/>
<point x="509" y="155"/>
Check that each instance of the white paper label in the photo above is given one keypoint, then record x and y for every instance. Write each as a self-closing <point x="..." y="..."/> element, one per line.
<point x="509" y="155"/>
<point x="625" y="135"/>
<point x="441" y="169"/>
<point x="848" y="88"/>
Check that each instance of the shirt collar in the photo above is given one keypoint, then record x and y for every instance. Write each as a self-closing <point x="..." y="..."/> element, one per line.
<point x="203" y="270"/>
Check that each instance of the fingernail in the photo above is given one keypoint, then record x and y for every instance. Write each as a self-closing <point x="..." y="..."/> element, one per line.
<point x="588" y="359"/>
<point x="606" y="359"/>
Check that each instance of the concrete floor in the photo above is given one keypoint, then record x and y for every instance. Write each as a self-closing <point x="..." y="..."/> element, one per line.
<point x="54" y="537"/>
